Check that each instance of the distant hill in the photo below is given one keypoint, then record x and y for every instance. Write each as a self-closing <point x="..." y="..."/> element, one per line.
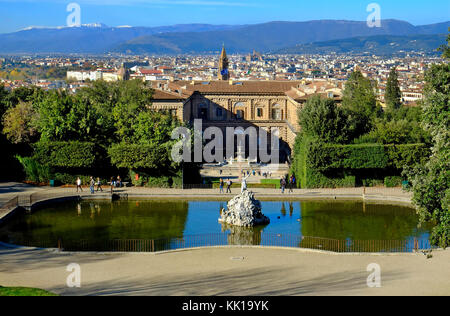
<point x="378" y="45"/>
<point x="90" y="39"/>
<point x="199" y="38"/>
<point x="269" y="36"/>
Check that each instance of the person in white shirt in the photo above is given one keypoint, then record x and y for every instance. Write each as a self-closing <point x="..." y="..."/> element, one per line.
<point x="79" y="185"/>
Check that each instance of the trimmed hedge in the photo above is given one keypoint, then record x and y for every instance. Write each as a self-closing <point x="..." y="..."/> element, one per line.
<point x="273" y="182"/>
<point x="66" y="154"/>
<point x="319" y="165"/>
<point x="393" y="182"/>
<point x="324" y="157"/>
<point x="146" y="180"/>
<point x="137" y="156"/>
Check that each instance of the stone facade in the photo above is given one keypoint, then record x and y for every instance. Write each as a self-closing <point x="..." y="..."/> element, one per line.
<point x="226" y="103"/>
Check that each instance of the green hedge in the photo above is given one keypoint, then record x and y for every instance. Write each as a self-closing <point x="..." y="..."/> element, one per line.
<point x="319" y="165"/>
<point x="273" y="182"/>
<point x="145" y="180"/>
<point x="393" y="182"/>
<point x="138" y="156"/>
<point x="66" y="154"/>
<point x="35" y="171"/>
<point x="324" y="157"/>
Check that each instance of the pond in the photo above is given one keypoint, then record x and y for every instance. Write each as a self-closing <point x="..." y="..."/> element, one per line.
<point x="99" y="222"/>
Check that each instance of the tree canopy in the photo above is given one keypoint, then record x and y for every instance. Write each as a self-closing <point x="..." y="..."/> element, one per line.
<point x="431" y="182"/>
<point x="323" y="119"/>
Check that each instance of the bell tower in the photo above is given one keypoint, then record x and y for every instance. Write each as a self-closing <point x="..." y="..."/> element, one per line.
<point x="224" y="73"/>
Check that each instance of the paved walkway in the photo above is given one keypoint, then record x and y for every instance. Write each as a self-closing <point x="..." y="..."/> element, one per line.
<point x="10" y="190"/>
<point x="227" y="271"/>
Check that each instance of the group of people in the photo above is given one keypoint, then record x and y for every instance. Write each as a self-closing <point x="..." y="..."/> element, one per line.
<point x="289" y="183"/>
<point x="98" y="183"/>
<point x="222" y="184"/>
<point x="285" y="182"/>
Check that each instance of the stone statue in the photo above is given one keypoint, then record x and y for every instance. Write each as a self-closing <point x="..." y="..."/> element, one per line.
<point x="244" y="183"/>
<point x="244" y="211"/>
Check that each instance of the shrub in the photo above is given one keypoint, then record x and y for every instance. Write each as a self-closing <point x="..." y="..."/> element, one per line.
<point x="319" y="165"/>
<point x="139" y="156"/>
<point x="66" y="154"/>
<point x="392" y="182"/>
<point x="273" y="182"/>
<point x="34" y="171"/>
<point x="149" y="181"/>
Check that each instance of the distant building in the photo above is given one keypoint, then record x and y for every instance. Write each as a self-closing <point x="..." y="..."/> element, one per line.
<point x="224" y="73"/>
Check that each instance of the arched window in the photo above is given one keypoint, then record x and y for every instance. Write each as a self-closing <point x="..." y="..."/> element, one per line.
<point x="239" y="108"/>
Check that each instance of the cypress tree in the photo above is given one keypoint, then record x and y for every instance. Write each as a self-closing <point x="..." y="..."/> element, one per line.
<point x="393" y="95"/>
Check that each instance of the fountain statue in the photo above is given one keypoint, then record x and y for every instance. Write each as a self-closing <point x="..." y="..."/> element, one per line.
<point x="244" y="210"/>
<point x="244" y="183"/>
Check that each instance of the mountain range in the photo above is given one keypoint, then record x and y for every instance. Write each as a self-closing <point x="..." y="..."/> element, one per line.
<point x="201" y="38"/>
<point x="376" y="45"/>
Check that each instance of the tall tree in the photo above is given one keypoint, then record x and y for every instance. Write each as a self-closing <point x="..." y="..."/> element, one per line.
<point x="393" y="95"/>
<point x="431" y="183"/>
<point x="324" y="120"/>
<point x="360" y="101"/>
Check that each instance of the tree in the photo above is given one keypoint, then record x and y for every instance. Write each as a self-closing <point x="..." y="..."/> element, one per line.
<point x="323" y="119"/>
<point x="445" y="49"/>
<point x="393" y="94"/>
<point x="3" y="101"/>
<point x="131" y="98"/>
<point x="20" y="123"/>
<point x="431" y="183"/>
<point x="361" y="103"/>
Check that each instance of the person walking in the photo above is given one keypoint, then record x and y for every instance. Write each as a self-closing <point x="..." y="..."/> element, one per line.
<point x="291" y="184"/>
<point x="221" y="185"/>
<point x="99" y="185"/>
<point x="229" y="183"/>
<point x="119" y="181"/>
<point x="283" y="185"/>
<point x="92" y="185"/>
<point x="79" y="185"/>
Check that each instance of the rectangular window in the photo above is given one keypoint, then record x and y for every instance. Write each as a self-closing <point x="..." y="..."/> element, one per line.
<point x="259" y="112"/>
<point x="219" y="112"/>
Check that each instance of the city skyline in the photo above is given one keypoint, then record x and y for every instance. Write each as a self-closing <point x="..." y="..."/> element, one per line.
<point x="17" y="15"/>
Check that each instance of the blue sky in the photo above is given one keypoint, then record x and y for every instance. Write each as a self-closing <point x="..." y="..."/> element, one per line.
<point x="17" y="14"/>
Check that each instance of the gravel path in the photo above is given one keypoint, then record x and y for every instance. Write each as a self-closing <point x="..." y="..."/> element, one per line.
<point x="227" y="271"/>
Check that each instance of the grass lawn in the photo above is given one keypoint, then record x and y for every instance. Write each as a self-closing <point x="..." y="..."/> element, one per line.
<point x="23" y="291"/>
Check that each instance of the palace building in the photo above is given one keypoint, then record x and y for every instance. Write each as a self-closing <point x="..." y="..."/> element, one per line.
<point x="229" y="103"/>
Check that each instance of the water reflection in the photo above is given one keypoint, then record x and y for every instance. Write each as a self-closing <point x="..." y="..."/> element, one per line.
<point x="103" y="221"/>
<point x="242" y="236"/>
<point x="283" y="210"/>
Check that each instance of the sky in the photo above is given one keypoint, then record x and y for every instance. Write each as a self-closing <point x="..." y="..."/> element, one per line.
<point x="18" y="14"/>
